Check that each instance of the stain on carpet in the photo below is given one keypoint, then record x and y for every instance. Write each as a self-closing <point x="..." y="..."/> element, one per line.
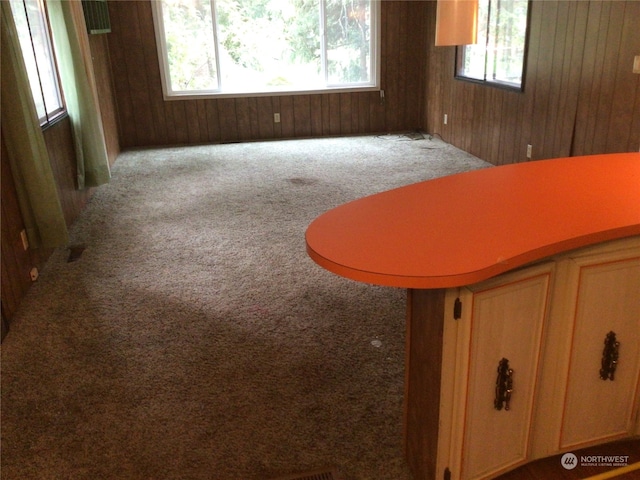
<point x="303" y="181"/>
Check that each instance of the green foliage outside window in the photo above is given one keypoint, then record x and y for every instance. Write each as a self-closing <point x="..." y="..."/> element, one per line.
<point x="263" y="45"/>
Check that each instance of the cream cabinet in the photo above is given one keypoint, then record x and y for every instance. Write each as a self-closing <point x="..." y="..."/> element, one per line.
<point x="591" y="385"/>
<point x="493" y="355"/>
<point x="534" y="362"/>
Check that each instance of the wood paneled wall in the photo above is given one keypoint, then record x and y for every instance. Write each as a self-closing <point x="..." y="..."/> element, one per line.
<point x="104" y="84"/>
<point x="580" y="94"/>
<point x="146" y="119"/>
<point x="17" y="262"/>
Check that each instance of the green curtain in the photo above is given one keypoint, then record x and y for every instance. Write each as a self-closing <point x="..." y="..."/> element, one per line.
<point x="78" y="83"/>
<point x="37" y="191"/>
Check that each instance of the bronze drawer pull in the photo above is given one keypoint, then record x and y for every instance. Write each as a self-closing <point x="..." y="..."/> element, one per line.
<point x="609" y="357"/>
<point x="504" y="385"/>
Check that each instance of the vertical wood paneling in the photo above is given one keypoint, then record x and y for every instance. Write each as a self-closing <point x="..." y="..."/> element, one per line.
<point x="376" y="112"/>
<point x="423" y="360"/>
<point x="316" y="115"/>
<point x="193" y="121"/>
<point x="137" y="76"/>
<point x="287" y="117"/>
<point x="265" y="117"/>
<point x="16" y="263"/>
<point x="122" y="93"/>
<point x="228" y="122"/>
<point x="243" y="118"/>
<point x="346" y="124"/>
<point x="580" y="96"/>
<point x="104" y="84"/>
<point x="277" y="127"/>
<point x="544" y="79"/>
<point x="334" y="113"/>
<point x="576" y="99"/>
<point x="364" y="119"/>
<point x="168" y="121"/>
<point x="62" y="157"/>
<point x="611" y="41"/>
<point x="180" y="121"/>
<point x="561" y="138"/>
<point x="621" y="130"/>
<point x="532" y="73"/>
<point x="253" y="118"/>
<point x="391" y="42"/>
<point x="302" y="115"/>
<point x="151" y="69"/>
<point x="147" y="119"/>
<point x="203" y="120"/>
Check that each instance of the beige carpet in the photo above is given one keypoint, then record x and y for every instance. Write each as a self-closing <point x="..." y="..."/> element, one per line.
<point x="193" y="338"/>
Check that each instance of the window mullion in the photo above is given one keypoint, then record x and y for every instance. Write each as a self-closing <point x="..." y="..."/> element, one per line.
<point x="37" y="66"/>
<point x="323" y="42"/>
<point x="488" y="39"/>
<point x="214" y="23"/>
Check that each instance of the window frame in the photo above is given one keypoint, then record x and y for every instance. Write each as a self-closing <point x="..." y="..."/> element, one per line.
<point x="170" y="94"/>
<point x="56" y="114"/>
<point x="459" y="60"/>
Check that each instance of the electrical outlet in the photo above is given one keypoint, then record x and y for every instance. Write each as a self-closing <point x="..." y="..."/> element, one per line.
<point x="446" y="118"/>
<point x="276" y="118"/>
<point x="34" y="274"/>
<point x="636" y="64"/>
<point x="529" y="151"/>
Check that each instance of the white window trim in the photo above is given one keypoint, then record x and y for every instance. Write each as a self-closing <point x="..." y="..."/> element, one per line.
<point x="51" y="114"/>
<point x="169" y="94"/>
<point x="518" y="87"/>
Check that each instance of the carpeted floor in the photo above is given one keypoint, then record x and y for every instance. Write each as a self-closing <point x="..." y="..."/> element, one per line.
<point x="192" y="337"/>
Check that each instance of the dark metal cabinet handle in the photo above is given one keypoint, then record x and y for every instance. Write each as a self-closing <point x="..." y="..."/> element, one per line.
<point x="504" y="385"/>
<point x="609" y="357"/>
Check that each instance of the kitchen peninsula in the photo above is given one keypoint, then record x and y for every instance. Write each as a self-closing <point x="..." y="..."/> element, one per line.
<point x="522" y="293"/>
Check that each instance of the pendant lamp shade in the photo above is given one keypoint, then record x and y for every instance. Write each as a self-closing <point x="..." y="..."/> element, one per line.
<point x="456" y="22"/>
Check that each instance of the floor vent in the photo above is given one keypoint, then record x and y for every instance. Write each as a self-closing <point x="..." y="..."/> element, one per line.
<point x="75" y="252"/>
<point x="324" y="474"/>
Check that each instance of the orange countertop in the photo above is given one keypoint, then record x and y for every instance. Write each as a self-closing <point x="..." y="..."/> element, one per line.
<point x="461" y="229"/>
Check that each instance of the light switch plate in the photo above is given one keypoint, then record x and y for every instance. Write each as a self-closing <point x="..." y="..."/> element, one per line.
<point x="636" y="64"/>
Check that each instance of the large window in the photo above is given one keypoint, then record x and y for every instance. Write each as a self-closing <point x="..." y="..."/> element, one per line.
<point x="499" y="56"/>
<point x="35" y="42"/>
<point x="240" y="47"/>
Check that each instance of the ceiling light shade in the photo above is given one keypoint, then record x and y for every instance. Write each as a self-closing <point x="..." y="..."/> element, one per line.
<point x="456" y="22"/>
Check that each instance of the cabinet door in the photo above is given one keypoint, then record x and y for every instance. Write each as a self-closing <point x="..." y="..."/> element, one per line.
<point x="502" y="319"/>
<point x="607" y="300"/>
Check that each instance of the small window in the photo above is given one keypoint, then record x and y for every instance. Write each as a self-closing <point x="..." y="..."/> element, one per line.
<point x="499" y="56"/>
<point x="35" y="42"/>
<point x="242" y="47"/>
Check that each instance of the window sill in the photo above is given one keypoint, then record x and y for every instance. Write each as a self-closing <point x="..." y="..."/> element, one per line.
<point x="279" y="93"/>
<point x="501" y="86"/>
<point x="57" y="118"/>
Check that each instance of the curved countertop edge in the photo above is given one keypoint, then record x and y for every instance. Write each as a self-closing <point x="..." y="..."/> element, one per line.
<point x="469" y="278"/>
<point x="515" y="214"/>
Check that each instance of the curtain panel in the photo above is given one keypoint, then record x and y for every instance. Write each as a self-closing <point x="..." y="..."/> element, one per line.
<point x="37" y="191"/>
<point x="78" y="83"/>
